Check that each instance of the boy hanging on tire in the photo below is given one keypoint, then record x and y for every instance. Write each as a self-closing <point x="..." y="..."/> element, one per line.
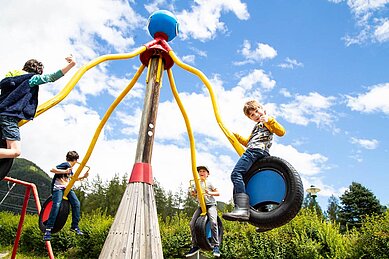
<point x="209" y="192"/>
<point x="62" y="174"/>
<point x="258" y="145"/>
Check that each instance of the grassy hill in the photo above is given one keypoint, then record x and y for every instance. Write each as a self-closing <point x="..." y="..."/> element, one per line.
<point x="27" y="171"/>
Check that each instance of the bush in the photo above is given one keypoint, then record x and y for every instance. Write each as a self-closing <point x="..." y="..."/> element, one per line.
<point x="175" y="236"/>
<point x="8" y="228"/>
<point x="375" y="233"/>
<point x="306" y="236"/>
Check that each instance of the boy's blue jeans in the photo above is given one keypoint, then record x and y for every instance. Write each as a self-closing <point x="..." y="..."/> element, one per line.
<point x="57" y="199"/>
<point x="243" y="165"/>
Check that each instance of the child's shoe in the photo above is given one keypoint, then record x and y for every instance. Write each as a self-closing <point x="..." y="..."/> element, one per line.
<point x="193" y="251"/>
<point x="47" y="235"/>
<point x="77" y="231"/>
<point x="216" y="251"/>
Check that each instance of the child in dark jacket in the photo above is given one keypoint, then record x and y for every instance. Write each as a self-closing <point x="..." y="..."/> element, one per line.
<point x="19" y="100"/>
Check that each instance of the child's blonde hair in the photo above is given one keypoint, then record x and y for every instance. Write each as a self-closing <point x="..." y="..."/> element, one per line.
<point x="251" y="106"/>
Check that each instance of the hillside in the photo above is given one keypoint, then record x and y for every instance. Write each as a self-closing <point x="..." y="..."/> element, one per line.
<point x="27" y="171"/>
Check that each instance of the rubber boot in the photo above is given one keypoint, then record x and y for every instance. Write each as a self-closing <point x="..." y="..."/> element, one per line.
<point x="241" y="211"/>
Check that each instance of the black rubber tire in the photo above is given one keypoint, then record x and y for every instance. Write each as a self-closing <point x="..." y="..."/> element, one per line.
<point x="61" y="219"/>
<point x="283" y="212"/>
<point x="201" y="232"/>
<point x="5" y="163"/>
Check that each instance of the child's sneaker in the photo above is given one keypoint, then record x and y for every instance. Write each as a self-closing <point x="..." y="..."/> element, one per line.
<point x="47" y="235"/>
<point x="216" y="251"/>
<point x="77" y="231"/>
<point x="192" y="251"/>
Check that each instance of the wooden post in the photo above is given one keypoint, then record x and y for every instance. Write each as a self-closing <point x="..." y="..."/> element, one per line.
<point x="135" y="230"/>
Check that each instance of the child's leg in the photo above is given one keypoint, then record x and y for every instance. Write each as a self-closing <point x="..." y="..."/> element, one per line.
<point x="11" y="133"/>
<point x="212" y="214"/>
<point x="13" y="149"/>
<point x="192" y="224"/>
<point x="75" y="203"/>
<point x="57" y="200"/>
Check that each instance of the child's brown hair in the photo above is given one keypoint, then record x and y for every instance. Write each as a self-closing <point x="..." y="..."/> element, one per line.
<point x="33" y="66"/>
<point x="72" y="156"/>
<point x="250" y="106"/>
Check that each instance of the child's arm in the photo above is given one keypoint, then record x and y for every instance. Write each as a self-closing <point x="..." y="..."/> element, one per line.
<point x="214" y="192"/>
<point x="242" y="140"/>
<point x="61" y="171"/>
<point x="47" y="78"/>
<point x="71" y="63"/>
<point x="275" y="127"/>
<point x="84" y="176"/>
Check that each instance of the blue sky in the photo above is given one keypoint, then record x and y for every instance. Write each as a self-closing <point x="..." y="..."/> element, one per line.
<point x="319" y="66"/>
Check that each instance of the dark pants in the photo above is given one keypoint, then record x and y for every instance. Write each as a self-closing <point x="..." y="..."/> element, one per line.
<point x="57" y="199"/>
<point x="243" y="165"/>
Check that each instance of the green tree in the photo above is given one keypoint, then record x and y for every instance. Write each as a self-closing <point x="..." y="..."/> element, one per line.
<point x="190" y="204"/>
<point x="105" y="197"/>
<point x="356" y="203"/>
<point x="311" y="203"/>
<point x="333" y="209"/>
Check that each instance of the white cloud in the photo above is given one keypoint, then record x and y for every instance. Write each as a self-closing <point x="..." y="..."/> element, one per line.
<point x="260" y="53"/>
<point x="311" y="108"/>
<point x="381" y="33"/>
<point x="204" y="20"/>
<point x="257" y="77"/>
<point x="189" y="59"/>
<point x="306" y="164"/>
<point x="374" y="100"/>
<point x="363" y="6"/>
<point x="365" y="143"/>
<point x="368" y="15"/>
<point x="290" y="63"/>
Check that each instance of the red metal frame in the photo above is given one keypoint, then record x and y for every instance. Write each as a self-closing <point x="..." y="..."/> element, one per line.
<point x="29" y="186"/>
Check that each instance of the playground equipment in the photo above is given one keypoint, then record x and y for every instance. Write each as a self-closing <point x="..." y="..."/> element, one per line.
<point x="135" y="232"/>
<point x="29" y="187"/>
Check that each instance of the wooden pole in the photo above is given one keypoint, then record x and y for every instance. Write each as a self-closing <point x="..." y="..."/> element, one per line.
<point x="135" y="230"/>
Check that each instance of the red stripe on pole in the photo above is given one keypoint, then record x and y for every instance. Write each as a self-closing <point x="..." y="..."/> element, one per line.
<point x="141" y="172"/>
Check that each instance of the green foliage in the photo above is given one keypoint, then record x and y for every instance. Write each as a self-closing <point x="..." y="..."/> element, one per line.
<point x="333" y="208"/>
<point x="27" y="171"/>
<point x="105" y="197"/>
<point x="175" y="236"/>
<point x="357" y="203"/>
<point x="8" y="227"/>
<point x="65" y="242"/>
<point x="306" y="236"/>
<point x="375" y="233"/>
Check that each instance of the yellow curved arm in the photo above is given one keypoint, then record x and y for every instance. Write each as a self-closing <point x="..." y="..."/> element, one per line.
<point x="233" y="140"/>
<point x="200" y="194"/>
<point x="100" y="127"/>
<point x="76" y="77"/>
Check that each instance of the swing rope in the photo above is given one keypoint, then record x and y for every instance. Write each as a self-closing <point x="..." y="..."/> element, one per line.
<point x="9" y="190"/>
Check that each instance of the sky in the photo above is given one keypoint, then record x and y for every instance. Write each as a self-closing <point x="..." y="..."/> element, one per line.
<point x="319" y="66"/>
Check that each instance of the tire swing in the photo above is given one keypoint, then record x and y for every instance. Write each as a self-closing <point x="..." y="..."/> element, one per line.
<point x="204" y="234"/>
<point x="276" y="193"/>
<point x="5" y="163"/>
<point x="62" y="216"/>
